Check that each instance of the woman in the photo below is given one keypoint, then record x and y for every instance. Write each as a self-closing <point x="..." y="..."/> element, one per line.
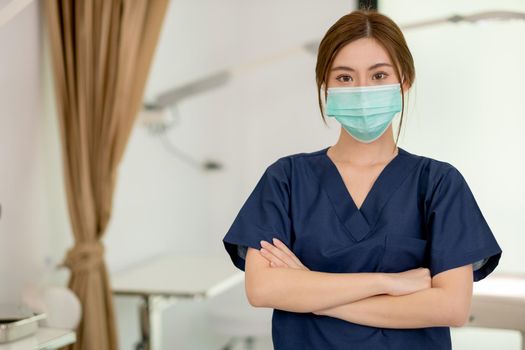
<point x="362" y="245"/>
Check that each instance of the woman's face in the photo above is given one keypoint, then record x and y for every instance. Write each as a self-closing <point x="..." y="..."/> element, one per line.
<point x="362" y="62"/>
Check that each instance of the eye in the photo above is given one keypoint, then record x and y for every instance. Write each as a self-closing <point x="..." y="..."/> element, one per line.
<point x="381" y="73"/>
<point x="343" y="76"/>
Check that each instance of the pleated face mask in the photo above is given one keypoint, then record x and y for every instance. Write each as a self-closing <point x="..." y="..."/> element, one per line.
<point x="364" y="111"/>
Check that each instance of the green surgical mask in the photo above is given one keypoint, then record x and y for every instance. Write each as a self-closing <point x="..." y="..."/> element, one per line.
<point x="364" y="111"/>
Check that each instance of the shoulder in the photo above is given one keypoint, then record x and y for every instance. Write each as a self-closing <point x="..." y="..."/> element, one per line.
<point x="285" y="165"/>
<point x="438" y="177"/>
<point x="435" y="169"/>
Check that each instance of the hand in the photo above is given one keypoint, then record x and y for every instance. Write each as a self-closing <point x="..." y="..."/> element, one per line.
<point x="280" y="256"/>
<point x="409" y="281"/>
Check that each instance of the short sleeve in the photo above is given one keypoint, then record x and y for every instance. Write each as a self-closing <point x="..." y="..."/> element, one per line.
<point x="459" y="233"/>
<point x="264" y="215"/>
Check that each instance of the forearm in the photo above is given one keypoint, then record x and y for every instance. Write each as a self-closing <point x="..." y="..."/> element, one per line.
<point x="307" y="291"/>
<point x="425" y="308"/>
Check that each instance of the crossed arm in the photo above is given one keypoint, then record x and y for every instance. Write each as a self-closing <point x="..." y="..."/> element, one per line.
<point x="276" y="278"/>
<point x="446" y="303"/>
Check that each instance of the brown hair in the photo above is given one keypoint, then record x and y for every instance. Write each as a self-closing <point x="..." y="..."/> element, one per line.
<point x="364" y="23"/>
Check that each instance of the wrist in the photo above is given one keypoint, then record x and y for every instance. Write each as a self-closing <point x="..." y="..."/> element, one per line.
<point x="387" y="282"/>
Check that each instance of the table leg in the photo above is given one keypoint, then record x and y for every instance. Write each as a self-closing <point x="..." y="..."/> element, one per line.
<point x="150" y="324"/>
<point x="155" y="320"/>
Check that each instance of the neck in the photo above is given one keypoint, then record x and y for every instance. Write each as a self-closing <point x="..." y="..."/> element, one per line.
<point x="349" y="150"/>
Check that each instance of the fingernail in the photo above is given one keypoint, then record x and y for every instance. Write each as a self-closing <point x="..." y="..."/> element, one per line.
<point x="275" y="240"/>
<point x="263" y="242"/>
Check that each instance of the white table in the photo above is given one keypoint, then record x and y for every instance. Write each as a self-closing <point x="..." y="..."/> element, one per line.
<point x="164" y="280"/>
<point x="498" y="301"/>
<point x="43" y="339"/>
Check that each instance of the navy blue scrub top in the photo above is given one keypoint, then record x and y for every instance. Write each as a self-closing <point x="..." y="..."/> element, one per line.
<point x="420" y="212"/>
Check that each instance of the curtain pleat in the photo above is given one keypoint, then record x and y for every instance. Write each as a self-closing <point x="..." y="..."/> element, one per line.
<point x="101" y="53"/>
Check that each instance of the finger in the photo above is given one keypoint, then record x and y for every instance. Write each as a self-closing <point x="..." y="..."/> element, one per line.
<point x="284" y="248"/>
<point x="280" y="254"/>
<point x="287" y="251"/>
<point x="274" y="261"/>
<point x="285" y="257"/>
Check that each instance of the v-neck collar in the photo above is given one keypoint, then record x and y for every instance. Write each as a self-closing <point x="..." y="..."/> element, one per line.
<point x="360" y="222"/>
<point x="338" y="175"/>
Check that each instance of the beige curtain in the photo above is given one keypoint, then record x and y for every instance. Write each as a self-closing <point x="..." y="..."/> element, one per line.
<point x="101" y="54"/>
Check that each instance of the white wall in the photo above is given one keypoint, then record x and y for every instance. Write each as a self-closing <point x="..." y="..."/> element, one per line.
<point x="33" y="213"/>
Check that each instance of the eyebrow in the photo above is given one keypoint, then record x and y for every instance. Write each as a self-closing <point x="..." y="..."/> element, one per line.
<point x="353" y="70"/>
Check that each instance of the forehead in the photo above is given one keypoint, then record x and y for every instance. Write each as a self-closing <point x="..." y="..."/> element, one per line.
<point x="361" y="53"/>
